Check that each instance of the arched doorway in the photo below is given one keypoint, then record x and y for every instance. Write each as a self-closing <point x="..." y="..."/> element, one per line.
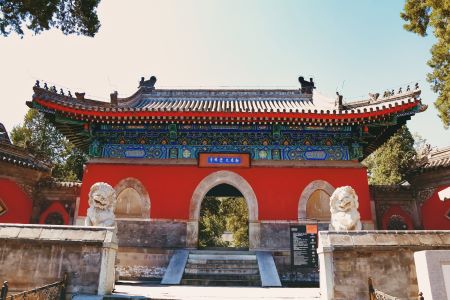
<point x="314" y="202"/>
<point x="209" y="182"/>
<point x="223" y="219"/>
<point x="133" y="201"/>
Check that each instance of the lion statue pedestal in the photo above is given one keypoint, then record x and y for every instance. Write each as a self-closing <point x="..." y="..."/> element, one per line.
<point x="102" y="202"/>
<point x="344" y="210"/>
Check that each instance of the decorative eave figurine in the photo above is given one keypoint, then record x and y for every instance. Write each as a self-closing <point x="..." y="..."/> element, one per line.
<point x="344" y="210"/>
<point x="102" y="202"/>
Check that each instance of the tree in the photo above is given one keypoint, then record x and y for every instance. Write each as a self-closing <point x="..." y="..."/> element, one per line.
<point x="70" y="16"/>
<point x="390" y="163"/>
<point x="212" y="224"/>
<point x="220" y="214"/>
<point x="236" y="212"/>
<point x="46" y="143"/>
<point x="420" y="15"/>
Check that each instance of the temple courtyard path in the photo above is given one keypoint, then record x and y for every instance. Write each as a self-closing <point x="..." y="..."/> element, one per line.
<point x="203" y="292"/>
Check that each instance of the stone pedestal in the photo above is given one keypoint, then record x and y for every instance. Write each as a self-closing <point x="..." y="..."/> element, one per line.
<point x="433" y="273"/>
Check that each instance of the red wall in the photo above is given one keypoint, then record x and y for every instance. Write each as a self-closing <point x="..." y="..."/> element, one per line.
<point x="397" y="210"/>
<point x="55" y="208"/>
<point x="434" y="212"/>
<point x="277" y="190"/>
<point x="18" y="205"/>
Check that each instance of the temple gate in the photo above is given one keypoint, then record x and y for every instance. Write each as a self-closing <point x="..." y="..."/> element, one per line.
<point x="162" y="150"/>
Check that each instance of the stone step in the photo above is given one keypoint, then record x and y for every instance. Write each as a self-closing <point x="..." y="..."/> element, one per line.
<point x="239" y="264"/>
<point x="223" y="257"/>
<point x="221" y="268"/>
<point x="231" y="268"/>
<point x="210" y="276"/>
<point x="222" y="252"/>
<point x="220" y="282"/>
<point x="222" y="271"/>
<point x="122" y="297"/>
<point x="220" y="261"/>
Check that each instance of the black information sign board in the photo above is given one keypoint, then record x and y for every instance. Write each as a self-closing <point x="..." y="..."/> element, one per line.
<point x="304" y="246"/>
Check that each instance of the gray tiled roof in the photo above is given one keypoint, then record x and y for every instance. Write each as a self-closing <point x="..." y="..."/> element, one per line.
<point x="233" y="101"/>
<point x="438" y="158"/>
<point x="20" y="157"/>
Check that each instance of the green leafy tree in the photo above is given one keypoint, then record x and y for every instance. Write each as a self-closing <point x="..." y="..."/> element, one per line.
<point x="46" y="143"/>
<point x="390" y="163"/>
<point x="421" y="15"/>
<point x="212" y="224"/>
<point x="220" y="214"/>
<point x="236" y="213"/>
<point x="70" y="16"/>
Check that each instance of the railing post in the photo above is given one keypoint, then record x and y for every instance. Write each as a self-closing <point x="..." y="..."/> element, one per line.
<point x="4" y="291"/>
<point x="371" y="290"/>
<point x="63" y="288"/>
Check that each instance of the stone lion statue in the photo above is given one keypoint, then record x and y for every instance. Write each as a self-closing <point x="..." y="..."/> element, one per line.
<point x="344" y="209"/>
<point x="102" y="202"/>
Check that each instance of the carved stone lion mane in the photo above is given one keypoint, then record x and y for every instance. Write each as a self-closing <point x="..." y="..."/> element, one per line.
<point x="344" y="209"/>
<point x="102" y="202"/>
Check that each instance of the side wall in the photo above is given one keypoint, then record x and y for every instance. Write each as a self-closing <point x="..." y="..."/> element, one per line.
<point x="36" y="255"/>
<point x="436" y="213"/>
<point x="348" y="259"/>
<point x="277" y="189"/>
<point x="18" y="205"/>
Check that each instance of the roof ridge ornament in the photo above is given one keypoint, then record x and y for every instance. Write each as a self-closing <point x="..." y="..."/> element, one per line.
<point x="79" y="96"/>
<point x="307" y="86"/>
<point x="373" y="97"/>
<point x="148" y="83"/>
<point x="339" y="101"/>
<point x="114" y="98"/>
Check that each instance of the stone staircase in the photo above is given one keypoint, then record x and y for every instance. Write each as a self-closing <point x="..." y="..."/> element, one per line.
<point x="221" y="268"/>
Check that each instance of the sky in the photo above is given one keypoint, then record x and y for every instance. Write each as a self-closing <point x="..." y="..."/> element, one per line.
<point x="353" y="46"/>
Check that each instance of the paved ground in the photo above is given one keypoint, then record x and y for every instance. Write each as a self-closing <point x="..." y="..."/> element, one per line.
<point x="231" y="293"/>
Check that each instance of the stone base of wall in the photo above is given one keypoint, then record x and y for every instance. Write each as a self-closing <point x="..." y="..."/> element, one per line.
<point x="163" y="234"/>
<point x="433" y="273"/>
<point x="36" y="255"/>
<point x="145" y="248"/>
<point x="348" y="259"/>
<point x="135" y="263"/>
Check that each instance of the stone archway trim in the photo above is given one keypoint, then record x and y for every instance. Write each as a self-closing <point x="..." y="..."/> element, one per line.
<point x="215" y="179"/>
<point x="306" y="194"/>
<point x="135" y="184"/>
<point x="223" y="177"/>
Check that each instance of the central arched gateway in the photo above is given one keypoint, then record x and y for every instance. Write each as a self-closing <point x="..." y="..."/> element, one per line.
<point x="209" y="182"/>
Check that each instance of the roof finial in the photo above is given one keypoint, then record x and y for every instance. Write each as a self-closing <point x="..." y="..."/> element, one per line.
<point x="114" y="98"/>
<point x="417" y="86"/>
<point x="339" y="100"/>
<point x="307" y="86"/>
<point x="148" y="83"/>
<point x="79" y="96"/>
<point x="373" y="97"/>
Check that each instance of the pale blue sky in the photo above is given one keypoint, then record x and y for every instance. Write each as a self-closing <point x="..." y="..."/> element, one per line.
<point x="354" y="46"/>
